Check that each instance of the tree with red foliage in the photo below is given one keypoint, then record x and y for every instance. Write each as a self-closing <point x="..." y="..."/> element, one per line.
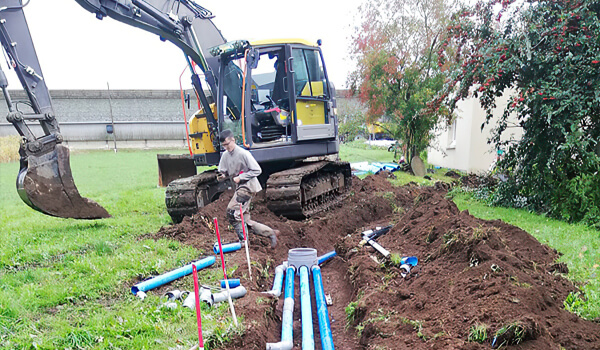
<point x="395" y="48"/>
<point x="546" y="56"/>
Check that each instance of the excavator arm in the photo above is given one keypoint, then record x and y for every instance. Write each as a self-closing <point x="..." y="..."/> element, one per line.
<point x="45" y="181"/>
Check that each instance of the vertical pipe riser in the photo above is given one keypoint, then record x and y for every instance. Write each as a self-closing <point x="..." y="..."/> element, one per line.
<point x="308" y="338"/>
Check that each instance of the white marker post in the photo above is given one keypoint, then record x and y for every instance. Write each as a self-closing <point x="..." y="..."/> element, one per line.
<point x="246" y="241"/>
<point x="235" y="321"/>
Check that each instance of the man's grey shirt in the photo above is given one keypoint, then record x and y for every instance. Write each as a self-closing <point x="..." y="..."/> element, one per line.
<point x="241" y="161"/>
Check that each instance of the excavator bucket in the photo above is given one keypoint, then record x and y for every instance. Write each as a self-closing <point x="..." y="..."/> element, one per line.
<point x="46" y="184"/>
<point x="174" y="166"/>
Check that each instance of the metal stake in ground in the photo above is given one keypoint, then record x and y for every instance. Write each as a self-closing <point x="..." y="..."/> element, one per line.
<point x="198" y="315"/>
<point x="112" y="120"/>
<point x="245" y="241"/>
<point x="235" y="322"/>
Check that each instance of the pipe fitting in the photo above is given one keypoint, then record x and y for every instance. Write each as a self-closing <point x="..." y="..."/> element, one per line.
<point x="235" y="293"/>
<point x="282" y="345"/>
<point x="277" y="281"/>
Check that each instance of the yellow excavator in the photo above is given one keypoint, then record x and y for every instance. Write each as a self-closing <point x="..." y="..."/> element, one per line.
<point x="275" y="95"/>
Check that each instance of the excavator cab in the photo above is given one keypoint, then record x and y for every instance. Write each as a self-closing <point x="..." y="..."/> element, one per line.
<point x="275" y="93"/>
<point x="288" y="94"/>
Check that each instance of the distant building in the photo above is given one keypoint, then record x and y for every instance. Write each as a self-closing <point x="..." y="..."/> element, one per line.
<point x="142" y="118"/>
<point x="463" y="145"/>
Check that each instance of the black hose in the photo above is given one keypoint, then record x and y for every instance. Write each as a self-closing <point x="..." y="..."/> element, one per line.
<point x="18" y="7"/>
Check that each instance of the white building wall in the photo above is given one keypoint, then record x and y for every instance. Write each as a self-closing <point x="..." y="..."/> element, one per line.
<point x="471" y="152"/>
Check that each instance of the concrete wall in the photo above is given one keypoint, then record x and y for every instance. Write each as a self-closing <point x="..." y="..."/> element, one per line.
<point x="133" y="134"/>
<point x="127" y="105"/>
<point x="470" y="152"/>
<point x="143" y="118"/>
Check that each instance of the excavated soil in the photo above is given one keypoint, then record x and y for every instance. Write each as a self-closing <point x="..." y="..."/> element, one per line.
<point x="470" y="272"/>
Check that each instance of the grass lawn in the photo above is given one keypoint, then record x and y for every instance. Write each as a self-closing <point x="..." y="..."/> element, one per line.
<point x="65" y="283"/>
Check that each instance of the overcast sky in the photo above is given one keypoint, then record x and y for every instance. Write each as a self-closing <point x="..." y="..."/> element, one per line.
<point x="77" y="51"/>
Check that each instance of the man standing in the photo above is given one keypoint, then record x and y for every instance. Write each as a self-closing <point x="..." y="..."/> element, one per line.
<point x="240" y="164"/>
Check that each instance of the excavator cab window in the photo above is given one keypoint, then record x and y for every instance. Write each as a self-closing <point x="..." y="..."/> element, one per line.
<point x="232" y="87"/>
<point x="270" y="97"/>
<point x="312" y="95"/>
<point x="308" y="73"/>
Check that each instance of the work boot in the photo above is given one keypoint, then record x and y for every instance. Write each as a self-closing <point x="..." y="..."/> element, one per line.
<point x="239" y="231"/>
<point x="274" y="239"/>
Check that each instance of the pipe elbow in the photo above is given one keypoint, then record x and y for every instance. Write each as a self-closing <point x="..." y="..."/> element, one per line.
<point x="274" y="293"/>
<point x="282" y="345"/>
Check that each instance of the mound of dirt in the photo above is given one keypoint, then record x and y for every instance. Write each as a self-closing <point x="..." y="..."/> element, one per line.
<point x="470" y="272"/>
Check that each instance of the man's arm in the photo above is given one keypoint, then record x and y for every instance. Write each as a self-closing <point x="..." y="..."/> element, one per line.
<point x="253" y="168"/>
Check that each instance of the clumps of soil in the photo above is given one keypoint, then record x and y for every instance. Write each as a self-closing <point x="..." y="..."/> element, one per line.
<point x="453" y="174"/>
<point x="477" y="181"/>
<point x="471" y="272"/>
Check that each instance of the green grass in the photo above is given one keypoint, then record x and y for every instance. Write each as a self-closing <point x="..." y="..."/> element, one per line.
<point x="358" y="151"/>
<point x="66" y="283"/>
<point x="478" y="333"/>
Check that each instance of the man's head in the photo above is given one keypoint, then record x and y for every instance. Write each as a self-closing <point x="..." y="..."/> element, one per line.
<point x="227" y="140"/>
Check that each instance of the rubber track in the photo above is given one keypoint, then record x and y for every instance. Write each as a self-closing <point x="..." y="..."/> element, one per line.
<point x="181" y="194"/>
<point x="287" y="191"/>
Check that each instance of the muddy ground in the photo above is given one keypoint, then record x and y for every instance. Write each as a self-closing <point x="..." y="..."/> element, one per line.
<point x="470" y="272"/>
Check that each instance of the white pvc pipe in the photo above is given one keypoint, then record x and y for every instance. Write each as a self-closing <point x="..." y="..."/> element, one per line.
<point x="235" y="293"/>
<point x="377" y="247"/>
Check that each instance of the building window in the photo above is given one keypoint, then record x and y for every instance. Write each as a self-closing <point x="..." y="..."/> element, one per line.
<point x="452" y="135"/>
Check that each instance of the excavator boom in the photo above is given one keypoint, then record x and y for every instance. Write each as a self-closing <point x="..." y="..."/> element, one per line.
<point x="45" y="181"/>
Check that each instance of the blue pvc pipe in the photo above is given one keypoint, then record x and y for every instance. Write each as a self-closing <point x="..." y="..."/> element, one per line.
<point x="287" y="319"/>
<point x="172" y="275"/>
<point x="308" y="335"/>
<point x="324" y="326"/>
<point x="287" y="322"/>
<point x="233" y="282"/>
<point x="326" y="257"/>
<point x="277" y="281"/>
<point x="227" y="248"/>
